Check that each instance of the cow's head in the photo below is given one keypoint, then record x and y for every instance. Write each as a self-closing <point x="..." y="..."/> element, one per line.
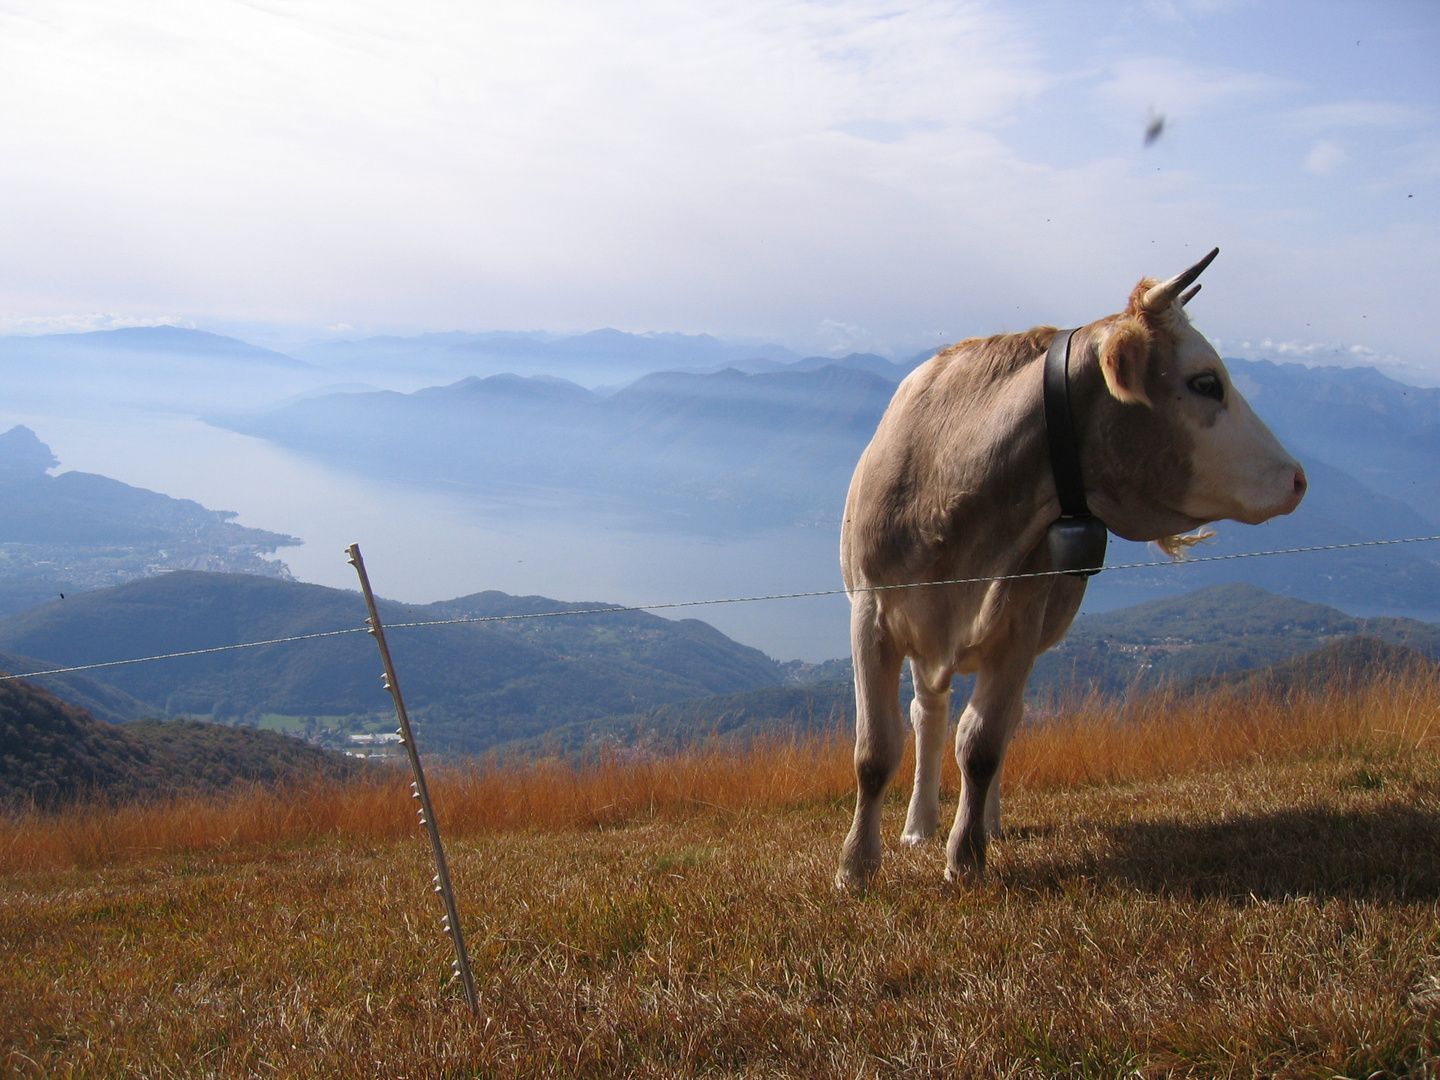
<point x="1168" y="442"/>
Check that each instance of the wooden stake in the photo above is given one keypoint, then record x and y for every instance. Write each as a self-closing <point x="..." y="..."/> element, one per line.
<point x="420" y="790"/>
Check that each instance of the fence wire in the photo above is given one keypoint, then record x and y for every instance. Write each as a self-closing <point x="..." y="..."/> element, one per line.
<point x="670" y="606"/>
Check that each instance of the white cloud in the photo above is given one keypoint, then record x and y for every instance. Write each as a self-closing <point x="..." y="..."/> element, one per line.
<point x="1423" y="162"/>
<point x="332" y="157"/>
<point x="1179" y="12"/>
<point x="1325" y="157"/>
<point x="837" y="338"/>
<point x="1329" y="354"/>
<point x="1174" y="85"/>
<point x="734" y="166"/>
<point x="1313" y="119"/>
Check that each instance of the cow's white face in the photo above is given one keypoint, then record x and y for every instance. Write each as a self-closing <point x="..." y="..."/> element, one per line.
<point x="1239" y="470"/>
<point x="1173" y="444"/>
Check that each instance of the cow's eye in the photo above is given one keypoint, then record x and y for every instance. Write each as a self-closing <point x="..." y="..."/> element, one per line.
<point x="1208" y="384"/>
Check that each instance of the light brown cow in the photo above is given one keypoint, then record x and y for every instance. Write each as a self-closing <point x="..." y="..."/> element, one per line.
<point x="957" y="483"/>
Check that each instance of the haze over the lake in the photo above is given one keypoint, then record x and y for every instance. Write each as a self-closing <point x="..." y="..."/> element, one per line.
<point x="832" y="177"/>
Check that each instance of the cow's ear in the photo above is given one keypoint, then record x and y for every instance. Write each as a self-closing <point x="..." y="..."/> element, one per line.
<point x="1124" y="357"/>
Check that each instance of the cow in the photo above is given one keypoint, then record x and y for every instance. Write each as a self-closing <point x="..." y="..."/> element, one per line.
<point x="959" y="483"/>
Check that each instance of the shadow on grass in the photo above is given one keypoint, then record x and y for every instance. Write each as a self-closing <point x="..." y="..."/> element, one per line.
<point x="1392" y="853"/>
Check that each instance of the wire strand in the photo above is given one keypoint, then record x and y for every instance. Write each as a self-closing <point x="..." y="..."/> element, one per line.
<point x="620" y="608"/>
<point x="190" y="652"/>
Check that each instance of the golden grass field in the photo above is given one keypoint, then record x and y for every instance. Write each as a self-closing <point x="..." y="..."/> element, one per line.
<point x="1235" y="886"/>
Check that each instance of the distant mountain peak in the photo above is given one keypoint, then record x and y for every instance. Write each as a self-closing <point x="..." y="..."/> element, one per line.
<point x="22" y="453"/>
<point x="178" y="340"/>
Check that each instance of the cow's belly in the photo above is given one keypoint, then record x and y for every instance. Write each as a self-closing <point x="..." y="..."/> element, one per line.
<point x="964" y="629"/>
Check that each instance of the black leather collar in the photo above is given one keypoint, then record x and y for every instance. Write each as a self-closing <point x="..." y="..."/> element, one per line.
<point x="1060" y="428"/>
<point x="1078" y="539"/>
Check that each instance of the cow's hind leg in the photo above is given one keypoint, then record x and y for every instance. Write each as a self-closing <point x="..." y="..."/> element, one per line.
<point x="879" y="737"/>
<point x="929" y="715"/>
<point x="980" y="741"/>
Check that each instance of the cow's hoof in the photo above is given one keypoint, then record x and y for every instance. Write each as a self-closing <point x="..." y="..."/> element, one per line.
<point x="919" y="829"/>
<point x="965" y="876"/>
<point x="853" y="881"/>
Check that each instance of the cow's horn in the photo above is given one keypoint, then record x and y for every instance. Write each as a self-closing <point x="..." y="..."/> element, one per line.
<point x="1159" y="297"/>
<point x="1188" y="295"/>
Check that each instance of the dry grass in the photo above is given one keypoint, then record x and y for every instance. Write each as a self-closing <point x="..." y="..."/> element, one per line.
<point x="478" y="800"/>
<point x="1163" y="735"/>
<point x="1219" y="888"/>
<point x="1089" y="743"/>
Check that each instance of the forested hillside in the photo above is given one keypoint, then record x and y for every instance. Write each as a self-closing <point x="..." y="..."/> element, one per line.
<point x="51" y="752"/>
<point x="1214" y="631"/>
<point x="580" y="681"/>
<point x="469" y="686"/>
<point x="1223" y="636"/>
<point x="100" y="699"/>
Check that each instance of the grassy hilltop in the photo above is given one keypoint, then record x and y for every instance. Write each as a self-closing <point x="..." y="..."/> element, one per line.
<point x="1239" y="883"/>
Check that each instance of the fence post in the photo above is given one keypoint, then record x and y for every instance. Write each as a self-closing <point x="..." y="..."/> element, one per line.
<point x="421" y="790"/>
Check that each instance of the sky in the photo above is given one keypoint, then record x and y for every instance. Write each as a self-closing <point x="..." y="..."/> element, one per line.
<point x="837" y="175"/>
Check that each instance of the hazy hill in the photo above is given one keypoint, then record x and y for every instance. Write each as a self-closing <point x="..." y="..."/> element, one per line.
<point x="469" y="686"/>
<point x="152" y="367"/>
<point x="599" y="356"/>
<point x="81" y="531"/>
<point x="712" y="452"/>
<point x="147" y="341"/>
<point x="51" y="752"/>
<point x="893" y="370"/>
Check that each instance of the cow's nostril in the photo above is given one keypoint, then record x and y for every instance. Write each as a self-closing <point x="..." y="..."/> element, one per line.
<point x="1300" y="483"/>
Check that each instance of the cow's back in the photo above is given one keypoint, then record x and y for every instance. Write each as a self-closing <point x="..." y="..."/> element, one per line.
<point x="951" y="456"/>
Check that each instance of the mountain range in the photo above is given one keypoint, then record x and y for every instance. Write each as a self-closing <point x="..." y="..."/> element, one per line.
<point x="605" y="355"/>
<point x="729" y="452"/>
<point x="750" y="453"/>
<point x="153" y="368"/>
<point x="712" y="453"/>
<point x="144" y="342"/>
<point x="598" y="358"/>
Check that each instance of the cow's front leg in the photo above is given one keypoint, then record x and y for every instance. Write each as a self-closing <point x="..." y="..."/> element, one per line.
<point x="929" y="715"/>
<point x="980" y="741"/>
<point x="992" y="800"/>
<point x="879" y="738"/>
